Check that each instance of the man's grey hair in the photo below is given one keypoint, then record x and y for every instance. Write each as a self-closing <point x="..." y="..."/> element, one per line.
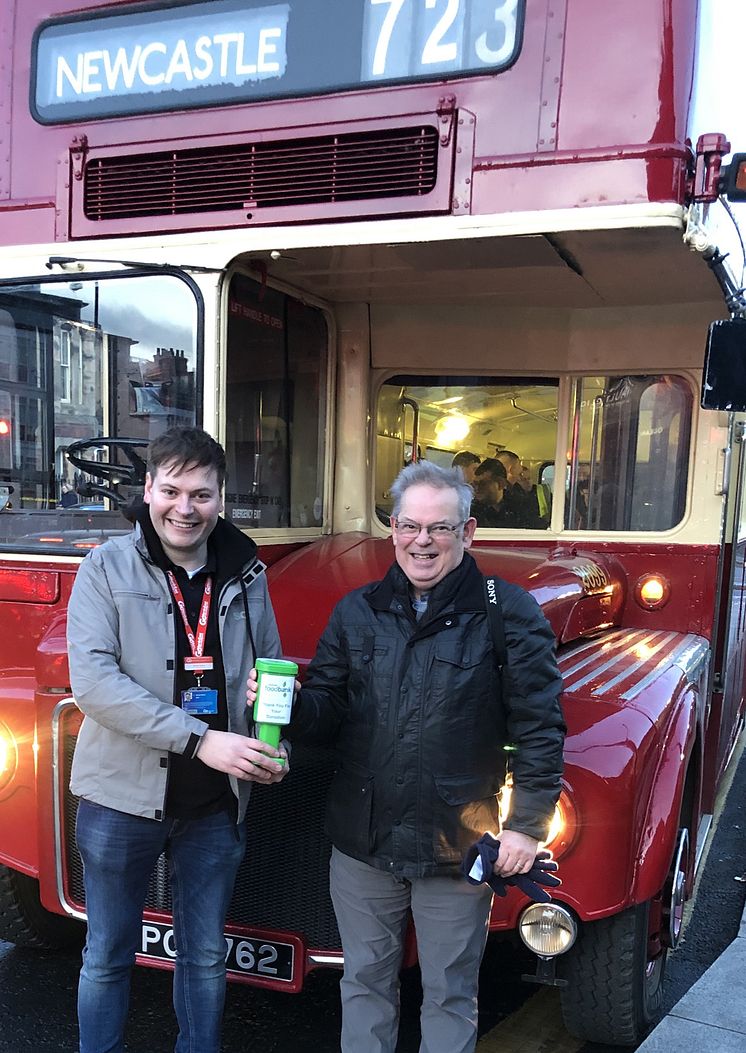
<point x="425" y="473"/>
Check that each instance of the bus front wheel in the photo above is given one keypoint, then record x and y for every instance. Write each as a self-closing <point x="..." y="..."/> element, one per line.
<point x="615" y="977"/>
<point x="25" y="922"/>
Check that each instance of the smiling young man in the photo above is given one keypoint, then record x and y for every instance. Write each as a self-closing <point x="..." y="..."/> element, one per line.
<point x="405" y="685"/>
<point x="163" y="626"/>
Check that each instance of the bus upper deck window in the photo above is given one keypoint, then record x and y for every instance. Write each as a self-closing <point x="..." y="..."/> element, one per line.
<point x="502" y="432"/>
<point x="629" y="453"/>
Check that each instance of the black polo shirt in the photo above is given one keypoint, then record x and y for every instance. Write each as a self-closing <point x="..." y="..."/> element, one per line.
<point x="194" y="790"/>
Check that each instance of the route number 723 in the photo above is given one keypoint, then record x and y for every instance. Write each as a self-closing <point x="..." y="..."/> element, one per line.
<point x="442" y="43"/>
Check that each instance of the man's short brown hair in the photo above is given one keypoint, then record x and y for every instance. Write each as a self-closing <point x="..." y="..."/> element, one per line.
<point x="185" y="447"/>
<point x="493" y="468"/>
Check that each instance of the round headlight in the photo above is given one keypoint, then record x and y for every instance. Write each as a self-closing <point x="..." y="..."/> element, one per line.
<point x="564" y="825"/>
<point x="8" y="755"/>
<point x="547" y="929"/>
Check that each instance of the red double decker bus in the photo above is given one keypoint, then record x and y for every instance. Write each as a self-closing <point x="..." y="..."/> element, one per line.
<point x="341" y="237"/>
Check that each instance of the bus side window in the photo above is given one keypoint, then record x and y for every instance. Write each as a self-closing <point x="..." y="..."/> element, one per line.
<point x="275" y="408"/>
<point x="630" y="453"/>
<point x="511" y="420"/>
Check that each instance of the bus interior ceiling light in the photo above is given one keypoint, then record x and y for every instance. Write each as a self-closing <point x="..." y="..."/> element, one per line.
<point x="452" y="429"/>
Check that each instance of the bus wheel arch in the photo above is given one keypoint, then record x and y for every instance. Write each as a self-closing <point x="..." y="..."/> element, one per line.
<point x="26" y="923"/>
<point x="615" y="982"/>
<point x="615" y="970"/>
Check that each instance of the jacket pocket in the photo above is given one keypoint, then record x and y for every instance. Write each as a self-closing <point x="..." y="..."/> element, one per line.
<point x="465" y="808"/>
<point x="134" y="594"/>
<point x="462" y="665"/>
<point x="371" y="660"/>
<point x="464" y="653"/>
<point x="349" y="811"/>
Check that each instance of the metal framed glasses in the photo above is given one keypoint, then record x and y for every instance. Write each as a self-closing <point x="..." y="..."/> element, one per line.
<point x="437" y="531"/>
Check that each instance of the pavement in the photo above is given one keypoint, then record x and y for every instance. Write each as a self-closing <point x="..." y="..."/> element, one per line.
<point x="711" y="1016"/>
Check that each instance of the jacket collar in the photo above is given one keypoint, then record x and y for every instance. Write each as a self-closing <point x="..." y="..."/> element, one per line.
<point x="232" y="552"/>
<point x="461" y="590"/>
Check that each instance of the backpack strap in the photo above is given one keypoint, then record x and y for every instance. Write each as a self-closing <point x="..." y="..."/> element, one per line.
<point x="495" y="618"/>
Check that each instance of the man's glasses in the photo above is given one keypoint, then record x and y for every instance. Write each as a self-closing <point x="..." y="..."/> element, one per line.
<point x="437" y="531"/>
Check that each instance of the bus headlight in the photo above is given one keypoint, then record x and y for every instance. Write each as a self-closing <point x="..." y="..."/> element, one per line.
<point x="547" y="929"/>
<point x="563" y="827"/>
<point x="8" y="755"/>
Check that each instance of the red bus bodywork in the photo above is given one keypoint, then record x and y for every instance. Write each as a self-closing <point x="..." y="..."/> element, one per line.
<point x="653" y="697"/>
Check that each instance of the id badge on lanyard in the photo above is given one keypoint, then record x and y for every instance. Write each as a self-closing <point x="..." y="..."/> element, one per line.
<point x="197" y="700"/>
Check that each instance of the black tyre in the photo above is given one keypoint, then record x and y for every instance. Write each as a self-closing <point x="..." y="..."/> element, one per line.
<point x="614" y="991"/>
<point x="25" y="922"/>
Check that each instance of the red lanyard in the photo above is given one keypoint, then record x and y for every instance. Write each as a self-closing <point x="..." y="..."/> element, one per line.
<point x="197" y="643"/>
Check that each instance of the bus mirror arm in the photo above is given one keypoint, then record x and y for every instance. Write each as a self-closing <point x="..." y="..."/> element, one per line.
<point x="734" y="294"/>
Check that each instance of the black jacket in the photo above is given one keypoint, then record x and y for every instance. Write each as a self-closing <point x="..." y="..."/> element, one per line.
<point x="420" y="720"/>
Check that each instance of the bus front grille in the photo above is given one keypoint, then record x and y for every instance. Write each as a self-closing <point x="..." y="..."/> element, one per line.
<point x="283" y="883"/>
<point x="268" y="174"/>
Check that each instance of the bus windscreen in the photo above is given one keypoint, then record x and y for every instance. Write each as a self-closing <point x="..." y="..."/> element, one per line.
<point x="108" y="363"/>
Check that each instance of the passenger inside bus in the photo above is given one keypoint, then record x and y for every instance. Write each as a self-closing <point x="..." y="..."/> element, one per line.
<point x="468" y="462"/>
<point x="490" y="506"/>
<point x="521" y="496"/>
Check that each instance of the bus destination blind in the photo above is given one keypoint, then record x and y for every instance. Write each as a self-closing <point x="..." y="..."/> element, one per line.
<point x="162" y="58"/>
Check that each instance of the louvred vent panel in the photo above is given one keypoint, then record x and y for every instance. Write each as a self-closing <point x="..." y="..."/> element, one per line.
<point x="332" y="169"/>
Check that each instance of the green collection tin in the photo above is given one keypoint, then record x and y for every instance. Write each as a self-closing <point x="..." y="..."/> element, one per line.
<point x="275" y="688"/>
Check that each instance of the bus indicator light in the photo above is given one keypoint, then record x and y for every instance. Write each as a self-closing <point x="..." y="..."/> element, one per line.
<point x="734" y="179"/>
<point x="652" y="592"/>
<point x="4" y="428"/>
<point x="8" y="755"/>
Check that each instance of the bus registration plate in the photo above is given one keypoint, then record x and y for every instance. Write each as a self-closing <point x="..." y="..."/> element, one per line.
<point x="259" y="958"/>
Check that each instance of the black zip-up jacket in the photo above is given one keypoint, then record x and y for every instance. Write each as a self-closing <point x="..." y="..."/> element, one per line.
<point x="420" y="716"/>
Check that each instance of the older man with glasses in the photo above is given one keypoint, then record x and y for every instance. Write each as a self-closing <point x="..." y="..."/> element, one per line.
<point x="406" y="686"/>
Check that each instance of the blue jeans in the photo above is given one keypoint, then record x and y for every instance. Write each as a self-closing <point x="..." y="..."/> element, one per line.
<point x="119" y="852"/>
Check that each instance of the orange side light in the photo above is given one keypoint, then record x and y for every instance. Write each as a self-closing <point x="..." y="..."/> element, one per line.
<point x="8" y="755"/>
<point x="652" y="591"/>
<point x="564" y="827"/>
<point x="741" y="176"/>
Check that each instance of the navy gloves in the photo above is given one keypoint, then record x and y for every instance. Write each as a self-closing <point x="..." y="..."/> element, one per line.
<point x="541" y="873"/>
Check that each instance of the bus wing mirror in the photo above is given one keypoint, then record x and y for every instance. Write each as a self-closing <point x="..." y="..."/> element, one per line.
<point x="724" y="381"/>
<point x="733" y="179"/>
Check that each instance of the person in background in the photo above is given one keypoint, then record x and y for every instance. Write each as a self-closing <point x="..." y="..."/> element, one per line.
<point x="68" y="497"/>
<point x="542" y="493"/>
<point x="489" y="507"/>
<point x="521" y="497"/>
<point x="163" y="627"/>
<point x="468" y="462"/>
<point x="405" y="685"/>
